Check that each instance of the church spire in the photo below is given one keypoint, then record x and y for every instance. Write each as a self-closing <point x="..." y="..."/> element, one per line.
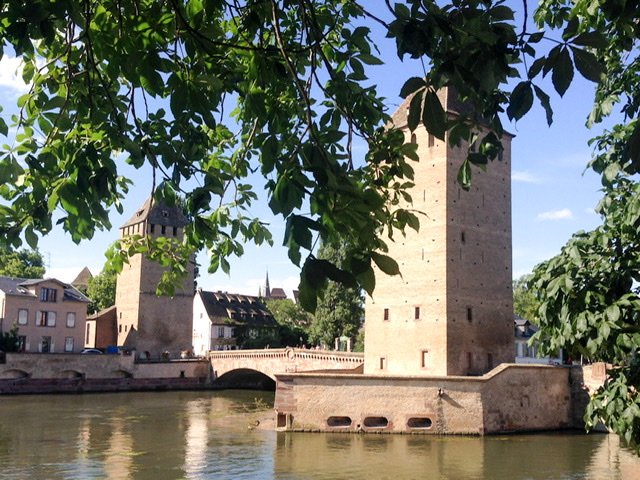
<point x="267" y="289"/>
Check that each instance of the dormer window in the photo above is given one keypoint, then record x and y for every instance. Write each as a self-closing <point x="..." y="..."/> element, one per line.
<point x="165" y="213"/>
<point x="47" y="294"/>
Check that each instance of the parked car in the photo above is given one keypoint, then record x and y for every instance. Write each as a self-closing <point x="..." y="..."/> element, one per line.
<point x="91" y="351"/>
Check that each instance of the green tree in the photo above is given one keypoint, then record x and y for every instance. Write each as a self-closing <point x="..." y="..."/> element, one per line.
<point x="155" y="81"/>
<point x="525" y="301"/>
<point x="340" y="308"/>
<point x="9" y="340"/>
<point x="293" y="321"/>
<point x="21" y="263"/>
<point x="101" y="291"/>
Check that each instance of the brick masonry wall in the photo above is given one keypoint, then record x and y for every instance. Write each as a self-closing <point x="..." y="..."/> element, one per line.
<point x="45" y="373"/>
<point x="510" y="398"/>
<point x="450" y="313"/>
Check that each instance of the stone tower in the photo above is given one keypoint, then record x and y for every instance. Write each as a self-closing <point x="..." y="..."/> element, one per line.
<point x="147" y="322"/>
<point x="451" y="312"/>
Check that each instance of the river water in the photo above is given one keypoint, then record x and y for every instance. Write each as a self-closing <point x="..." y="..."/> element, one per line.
<point x="229" y="435"/>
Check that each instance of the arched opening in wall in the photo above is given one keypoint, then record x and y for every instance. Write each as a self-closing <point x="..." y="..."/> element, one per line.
<point x="339" y="422"/>
<point x="71" y="374"/>
<point x="419" y="423"/>
<point x="376" y="422"/>
<point x="245" y="379"/>
<point x="14" y="373"/>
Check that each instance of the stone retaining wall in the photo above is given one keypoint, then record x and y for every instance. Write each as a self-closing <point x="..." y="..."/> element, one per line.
<point x="510" y="398"/>
<point x="62" y="373"/>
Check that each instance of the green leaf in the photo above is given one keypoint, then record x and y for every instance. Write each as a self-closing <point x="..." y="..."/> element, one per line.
<point x="536" y="37"/>
<point x="562" y="72"/>
<point x="367" y="279"/>
<point x="590" y="39"/>
<point x="31" y="238"/>
<point x="194" y="7"/>
<point x="633" y="147"/>
<point x="412" y="85"/>
<point x="464" y="175"/>
<point x="387" y="264"/>
<point x="370" y="59"/>
<point x="415" y="107"/>
<point x="545" y="102"/>
<point x="536" y="66"/>
<point x="520" y="101"/>
<point x="433" y="116"/>
<point x="587" y="64"/>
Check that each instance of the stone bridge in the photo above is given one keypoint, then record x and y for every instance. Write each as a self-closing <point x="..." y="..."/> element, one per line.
<point x="229" y="365"/>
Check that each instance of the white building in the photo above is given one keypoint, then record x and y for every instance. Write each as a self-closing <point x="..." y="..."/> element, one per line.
<point x="217" y="316"/>
<point x="526" y="353"/>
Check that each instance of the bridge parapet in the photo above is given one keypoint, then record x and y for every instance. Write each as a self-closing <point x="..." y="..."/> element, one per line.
<point x="283" y="360"/>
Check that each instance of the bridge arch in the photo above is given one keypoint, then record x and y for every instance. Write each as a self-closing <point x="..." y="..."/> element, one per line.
<point x="246" y="378"/>
<point x="269" y="362"/>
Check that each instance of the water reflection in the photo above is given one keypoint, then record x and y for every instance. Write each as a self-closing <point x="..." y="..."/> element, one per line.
<point x="195" y="435"/>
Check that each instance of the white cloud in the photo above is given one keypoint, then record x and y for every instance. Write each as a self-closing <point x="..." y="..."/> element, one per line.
<point x="563" y="214"/>
<point x="11" y="74"/>
<point x="525" y="177"/>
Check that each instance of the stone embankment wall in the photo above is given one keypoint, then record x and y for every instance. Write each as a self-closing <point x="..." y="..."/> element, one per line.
<point x="510" y="398"/>
<point x="67" y="373"/>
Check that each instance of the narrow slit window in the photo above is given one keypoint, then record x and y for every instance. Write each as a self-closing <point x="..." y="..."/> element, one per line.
<point x="469" y="314"/>
<point x="424" y="359"/>
<point x="385" y="316"/>
<point x="416" y="313"/>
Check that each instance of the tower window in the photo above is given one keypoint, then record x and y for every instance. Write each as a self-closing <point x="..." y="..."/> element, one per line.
<point x="163" y="229"/>
<point x="386" y="314"/>
<point x="463" y="237"/>
<point x="383" y="363"/>
<point x="424" y="360"/>
<point x="469" y="314"/>
<point x="431" y="141"/>
<point x="416" y="313"/>
<point x="413" y="138"/>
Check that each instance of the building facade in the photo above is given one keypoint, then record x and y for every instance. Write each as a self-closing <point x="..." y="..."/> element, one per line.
<point x="451" y="310"/>
<point x="218" y="318"/>
<point x="146" y="322"/>
<point x="50" y="314"/>
<point x="526" y="351"/>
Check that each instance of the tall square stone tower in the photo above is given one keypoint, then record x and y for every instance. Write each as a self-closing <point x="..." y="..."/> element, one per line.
<point x="451" y="311"/>
<point x="147" y="322"/>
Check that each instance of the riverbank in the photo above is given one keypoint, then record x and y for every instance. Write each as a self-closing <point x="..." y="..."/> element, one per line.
<point x="26" y="373"/>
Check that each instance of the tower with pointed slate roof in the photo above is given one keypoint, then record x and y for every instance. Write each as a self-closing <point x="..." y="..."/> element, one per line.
<point x="147" y="322"/>
<point x="451" y="311"/>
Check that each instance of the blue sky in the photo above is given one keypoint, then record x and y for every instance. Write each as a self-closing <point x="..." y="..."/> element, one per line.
<point x="552" y="195"/>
